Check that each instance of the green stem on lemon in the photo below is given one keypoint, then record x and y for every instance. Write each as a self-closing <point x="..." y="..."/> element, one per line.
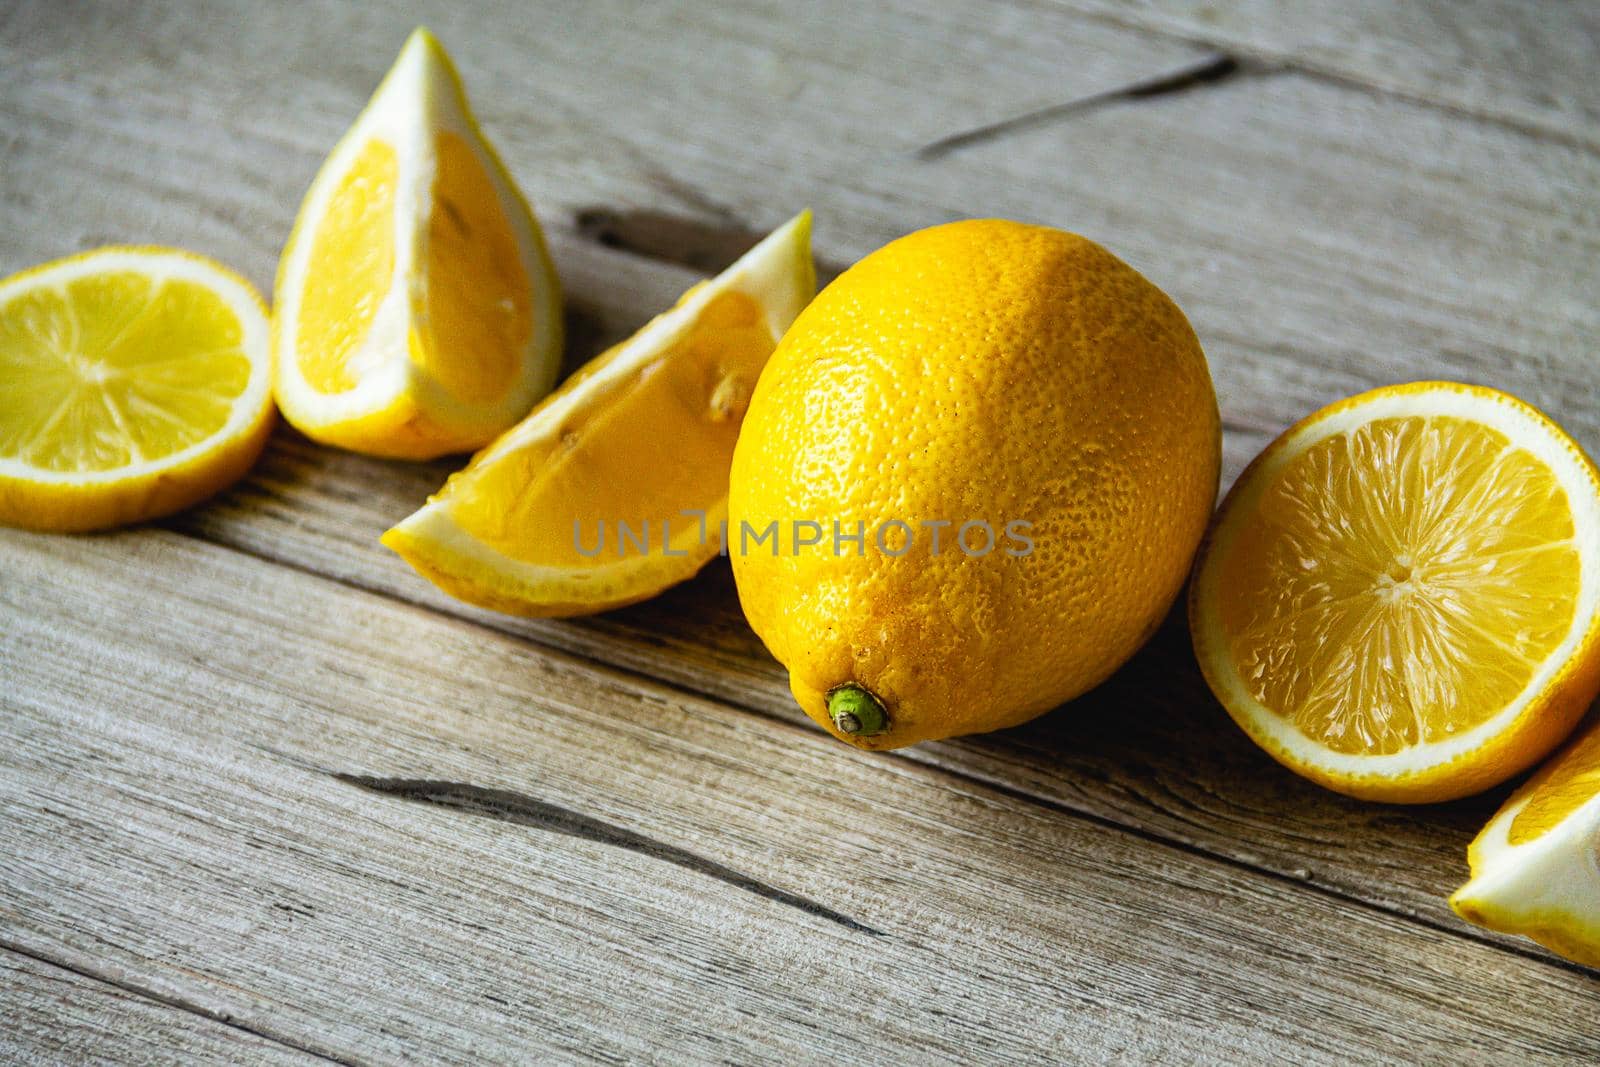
<point x="856" y="712"/>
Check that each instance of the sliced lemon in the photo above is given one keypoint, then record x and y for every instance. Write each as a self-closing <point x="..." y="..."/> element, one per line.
<point x="1398" y="599"/>
<point x="1536" y="866"/>
<point x="133" y="382"/>
<point x="616" y="486"/>
<point x="416" y="310"/>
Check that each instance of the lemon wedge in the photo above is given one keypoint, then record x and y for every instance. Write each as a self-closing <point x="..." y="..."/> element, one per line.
<point x="1399" y="597"/>
<point x="133" y="382"/>
<point x="615" y="487"/>
<point x="417" y="312"/>
<point x="1536" y="865"/>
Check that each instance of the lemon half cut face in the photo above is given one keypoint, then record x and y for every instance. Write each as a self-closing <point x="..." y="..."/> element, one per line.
<point x="1399" y="597"/>
<point x="133" y="382"/>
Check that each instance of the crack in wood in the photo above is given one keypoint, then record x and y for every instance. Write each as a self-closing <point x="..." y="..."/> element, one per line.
<point x="522" y="810"/>
<point x="1173" y="625"/>
<point x="175" y="1003"/>
<point x="1208" y="71"/>
<point x="707" y="247"/>
<point x="1294" y="60"/>
<point x="703" y="246"/>
<point x="1236" y="425"/>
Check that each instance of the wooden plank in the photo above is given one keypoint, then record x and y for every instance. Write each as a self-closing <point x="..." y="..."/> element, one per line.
<point x="336" y="817"/>
<point x="1296" y="221"/>
<point x="1173" y="765"/>
<point x="1268" y="206"/>
<point x="54" y="1015"/>
<point x="1531" y="65"/>
<point x="780" y="58"/>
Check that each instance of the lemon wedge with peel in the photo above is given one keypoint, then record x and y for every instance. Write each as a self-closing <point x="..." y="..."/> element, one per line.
<point x="416" y="310"/>
<point x="1399" y="597"/>
<point x="615" y="487"/>
<point x="1536" y="866"/>
<point x="133" y="382"/>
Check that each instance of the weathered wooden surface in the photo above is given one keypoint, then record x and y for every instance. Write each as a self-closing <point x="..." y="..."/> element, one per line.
<point x="53" y="1013"/>
<point x="1364" y="198"/>
<point x="1529" y="66"/>
<point x="415" y="851"/>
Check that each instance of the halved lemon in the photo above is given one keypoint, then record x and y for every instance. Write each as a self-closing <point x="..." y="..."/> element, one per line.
<point x="133" y="382"/>
<point x="1398" y="598"/>
<point x="616" y="486"/>
<point x="416" y="309"/>
<point x="1536" y="866"/>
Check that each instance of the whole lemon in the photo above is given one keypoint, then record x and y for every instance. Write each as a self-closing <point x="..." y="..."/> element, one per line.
<point x="970" y="481"/>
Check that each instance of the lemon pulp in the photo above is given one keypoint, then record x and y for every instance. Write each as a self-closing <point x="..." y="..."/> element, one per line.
<point x="1403" y="583"/>
<point x="351" y="269"/>
<point x="1571" y="782"/>
<point x="475" y="315"/>
<point x="589" y="469"/>
<point x="478" y="309"/>
<point x="116" y="369"/>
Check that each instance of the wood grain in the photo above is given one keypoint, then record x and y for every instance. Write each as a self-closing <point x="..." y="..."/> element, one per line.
<point x="1323" y="240"/>
<point x="1527" y="65"/>
<point x="1311" y="293"/>
<point x="1368" y="196"/>
<point x="196" y="830"/>
<point x="54" y="1015"/>
<point x="1150" y="750"/>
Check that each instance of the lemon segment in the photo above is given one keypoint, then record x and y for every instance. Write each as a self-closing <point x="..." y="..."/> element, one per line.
<point x="1399" y="597"/>
<point x="1536" y="865"/>
<point x="1569" y="784"/>
<point x="133" y="382"/>
<point x="417" y="310"/>
<point x="525" y="506"/>
<point x="615" y="487"/>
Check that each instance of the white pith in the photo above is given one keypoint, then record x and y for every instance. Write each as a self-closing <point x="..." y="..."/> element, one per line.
<point x="767" y="273"/>
<point x="1524" y="430"/>
<point x="161" y="267"/>
<point x="417" y="99"/>
<point x="1553" y="876"/>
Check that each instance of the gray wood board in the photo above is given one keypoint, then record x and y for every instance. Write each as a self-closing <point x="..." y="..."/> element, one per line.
<point x="1335" y="210"/>
<point x="375" y="832"/>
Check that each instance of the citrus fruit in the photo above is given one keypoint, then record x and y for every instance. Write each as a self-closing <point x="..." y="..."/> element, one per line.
<point x="133" y="382"/>
<point x="1536" y="866"/>
<point x="416" y="309"/>
<point x="971" y="481"/>
<point x="615" y="487"/>
<point x="1398" y="599"/>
